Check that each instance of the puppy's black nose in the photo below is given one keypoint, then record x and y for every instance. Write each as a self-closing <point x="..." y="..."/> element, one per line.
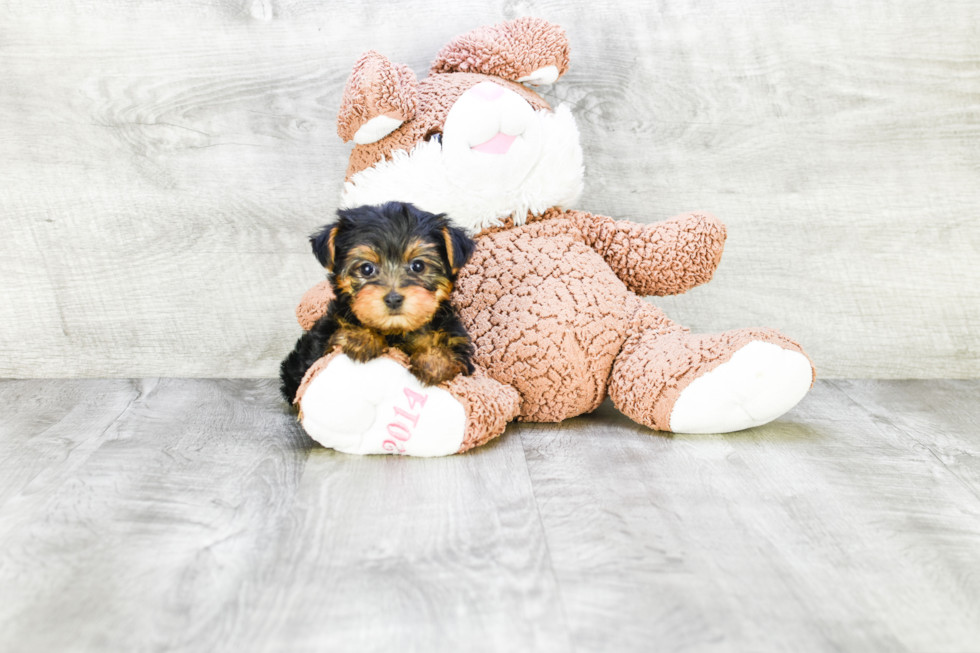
<point x="393" y="300"/>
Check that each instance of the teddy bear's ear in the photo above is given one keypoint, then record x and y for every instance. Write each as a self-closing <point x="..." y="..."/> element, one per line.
<point x="528" y="50"/>
<point x="378" y="98"/>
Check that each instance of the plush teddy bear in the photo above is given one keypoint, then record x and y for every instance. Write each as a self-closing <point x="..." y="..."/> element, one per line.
<point x="551" y="297"/>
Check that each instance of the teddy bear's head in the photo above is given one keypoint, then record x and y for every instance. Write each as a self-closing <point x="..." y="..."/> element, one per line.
<point x="470" y="140"/>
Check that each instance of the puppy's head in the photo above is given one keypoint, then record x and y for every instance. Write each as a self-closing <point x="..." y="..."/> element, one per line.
<point x="395" y="263"/>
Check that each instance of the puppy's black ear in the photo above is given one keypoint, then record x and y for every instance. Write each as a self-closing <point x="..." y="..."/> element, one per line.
<point x="324" y="246"/>
<point x="459" y="247"/>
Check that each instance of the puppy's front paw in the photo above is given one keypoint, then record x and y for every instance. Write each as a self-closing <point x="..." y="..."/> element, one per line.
<point x="435" y="365"/>
<point x="360" y="344"/>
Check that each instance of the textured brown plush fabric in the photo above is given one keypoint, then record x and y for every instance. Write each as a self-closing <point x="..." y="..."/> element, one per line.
<point x="663" y="258"/>
<point x="545" y="315"/>
<point x="314" y="304"/>
<point x="376" y="87"/>
<point x="508" y="50"/>
<point x="549" y="315"/>
<point x="436" y="96"/>
<point x="489" y="406"/>
<point x="660" y="358"/>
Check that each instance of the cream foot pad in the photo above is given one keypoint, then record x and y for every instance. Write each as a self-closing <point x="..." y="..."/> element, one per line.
<point x="759" y="383"/>
<point x="379" y="407"/>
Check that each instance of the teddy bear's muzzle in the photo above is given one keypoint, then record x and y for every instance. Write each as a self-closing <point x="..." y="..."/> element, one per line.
<point x="488" y="118"/>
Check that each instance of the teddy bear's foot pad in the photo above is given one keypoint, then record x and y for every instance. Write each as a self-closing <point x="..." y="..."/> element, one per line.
<point x="379" y="407"/>
<point x="760" y="382"/>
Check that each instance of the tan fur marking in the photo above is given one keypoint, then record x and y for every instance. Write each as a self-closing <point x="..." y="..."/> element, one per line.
<point x="433" y="359"/>
<point x="419" y="249"/>
<point x="364" y="253"/>
<point x="427" y="253"/>
<point x="343" y="284"/>
<point x="449" y="249"/>
<point x="435" y="366"/>
<point x="369" y="306"/>
<point x="444" y="288"/>
<point x="419" y="307"/>
<point x="417" y="310"/>
<point x="362" y="345"/>
<point x="331" y="249"/>
<point x="434" y="339"/>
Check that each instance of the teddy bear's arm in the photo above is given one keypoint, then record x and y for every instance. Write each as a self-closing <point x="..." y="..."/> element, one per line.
<point x="314" y="304"/>
<point x="663" y="258"/>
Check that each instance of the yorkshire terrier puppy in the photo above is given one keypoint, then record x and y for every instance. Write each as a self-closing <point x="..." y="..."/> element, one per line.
<point x="392" y="268"/>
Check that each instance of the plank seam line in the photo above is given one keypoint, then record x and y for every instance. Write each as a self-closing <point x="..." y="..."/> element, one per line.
<point x="138" y="386"/>
<point x="98" y="437"/>
<point x="909" y="436"/>
<point x="547" y="545"/>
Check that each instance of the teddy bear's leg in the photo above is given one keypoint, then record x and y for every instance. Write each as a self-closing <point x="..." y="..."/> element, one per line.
<point x="672" y="380"/>
<point x="380" y="407"/>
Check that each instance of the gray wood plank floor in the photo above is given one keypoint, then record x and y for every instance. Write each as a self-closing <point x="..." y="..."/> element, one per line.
<point x="194" y="515"/>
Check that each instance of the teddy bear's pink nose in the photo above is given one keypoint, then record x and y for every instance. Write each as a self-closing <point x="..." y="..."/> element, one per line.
<point x="487" y="91"/>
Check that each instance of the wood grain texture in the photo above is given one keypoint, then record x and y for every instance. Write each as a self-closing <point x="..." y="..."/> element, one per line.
<point x="387" y="554"/>
<point x="932" y="414"/>
<point x="829" y="529"/>
<point x="142" y="540"/>
<point x="194" y="515"/>
<point x="162" y="163"/>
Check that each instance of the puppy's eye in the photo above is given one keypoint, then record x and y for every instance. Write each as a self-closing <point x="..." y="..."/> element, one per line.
<point x="366" y="270"/>
<point x="434" y="135"/>
<point x="417" y="266"/>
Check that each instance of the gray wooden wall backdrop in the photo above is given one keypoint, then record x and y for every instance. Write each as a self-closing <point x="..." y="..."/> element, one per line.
<point x="161" y="163"/>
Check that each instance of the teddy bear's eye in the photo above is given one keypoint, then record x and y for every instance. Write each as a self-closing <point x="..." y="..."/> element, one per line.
<point x="434" y="135"/>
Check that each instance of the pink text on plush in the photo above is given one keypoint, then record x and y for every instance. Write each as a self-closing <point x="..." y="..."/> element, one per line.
<point x="402" y="432"/>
